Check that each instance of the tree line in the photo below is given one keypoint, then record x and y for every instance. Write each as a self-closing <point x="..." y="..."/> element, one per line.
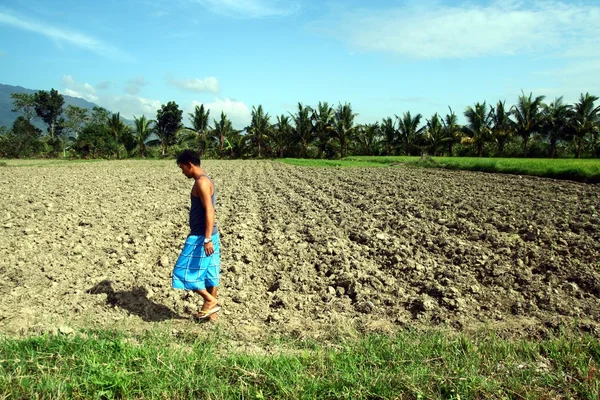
<point x="530" y="128"/>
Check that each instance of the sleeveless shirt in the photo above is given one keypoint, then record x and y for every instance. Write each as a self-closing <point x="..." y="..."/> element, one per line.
<point x="198" y="213"/>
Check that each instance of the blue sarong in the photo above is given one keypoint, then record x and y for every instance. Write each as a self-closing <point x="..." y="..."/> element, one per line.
<point x="194" y="270"/>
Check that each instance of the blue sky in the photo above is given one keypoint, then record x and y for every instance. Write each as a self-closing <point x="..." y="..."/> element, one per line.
<point x="384" y="57"/>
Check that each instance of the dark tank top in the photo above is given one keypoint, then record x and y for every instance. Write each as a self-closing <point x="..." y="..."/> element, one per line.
<point x="198" y="213"/>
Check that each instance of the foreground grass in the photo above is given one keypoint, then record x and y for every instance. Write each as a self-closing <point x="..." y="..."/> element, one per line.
<point x="408" y="365"/>
<point x="583" y="170"/>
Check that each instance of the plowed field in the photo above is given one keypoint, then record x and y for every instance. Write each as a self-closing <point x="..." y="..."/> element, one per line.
<point x="304" y="251"/>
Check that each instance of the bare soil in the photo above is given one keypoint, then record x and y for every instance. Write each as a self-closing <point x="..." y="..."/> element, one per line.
<point x="305" y="251"/>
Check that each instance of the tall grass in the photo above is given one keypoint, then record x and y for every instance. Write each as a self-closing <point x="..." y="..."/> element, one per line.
<point x="408" y="365"/>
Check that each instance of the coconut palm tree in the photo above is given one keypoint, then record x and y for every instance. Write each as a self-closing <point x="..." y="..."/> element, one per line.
<point x="435" y="135"/>
<point x="344" y="126"/>
<point x="502" y="126"/>
<point x="556" y="118"/>
<point x="452" y="130"/>
<point x="282" y="135"/>
<point x="259" y="129"/>
<point x="585" y="122"/>
<point x="303" y="129"/>
<point x="323" y="119"/>
<point x="388" y="129"/>
<point x="142" y="132"/>
<point x="478" y="126"/>
<point x="198" y="132"/>
<point x="368" y="139"/>
<point x="528" y="116"/>
<point x="409" y="132"/>
<point x="221" y="131"/>
<point x="116" y="128"/>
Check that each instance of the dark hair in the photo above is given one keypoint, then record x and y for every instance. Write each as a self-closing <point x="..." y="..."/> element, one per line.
<point x="188" y="156"/>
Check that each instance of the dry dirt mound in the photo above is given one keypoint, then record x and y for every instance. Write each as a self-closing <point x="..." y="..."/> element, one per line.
<point x="305" y="251"/>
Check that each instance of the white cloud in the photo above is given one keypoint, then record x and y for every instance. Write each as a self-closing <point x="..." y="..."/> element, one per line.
<point x="62" y="35"/>
<point x="236" y="111"/>
<point x="209" y="84"/>
<point x="251" y="8"/>
<point x="82" y="90"/>
<point x="434" y="30"/>
<point x="134" y="86"/>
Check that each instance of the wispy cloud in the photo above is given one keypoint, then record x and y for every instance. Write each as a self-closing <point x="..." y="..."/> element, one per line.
<point x="134" y="86"/>
<point x="433" y="30"/>
<point x="196" y="85"/>
<point x="62" y="35"/>
<point x="251" y="8"/>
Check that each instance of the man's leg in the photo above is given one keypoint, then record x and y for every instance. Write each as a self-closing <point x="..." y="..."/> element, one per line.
<point x="210" y="297"/>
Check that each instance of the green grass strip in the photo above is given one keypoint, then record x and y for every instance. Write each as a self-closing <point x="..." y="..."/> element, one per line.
<point x="582" y="170"/>
<point x="408" y="365"/>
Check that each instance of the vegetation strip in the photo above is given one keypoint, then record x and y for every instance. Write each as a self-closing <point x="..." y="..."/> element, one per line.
<point x="582" y="170"/>
<point x="409" y="365"/>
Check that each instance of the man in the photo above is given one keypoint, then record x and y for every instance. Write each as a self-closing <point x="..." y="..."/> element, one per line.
<point x="198" y="266"/>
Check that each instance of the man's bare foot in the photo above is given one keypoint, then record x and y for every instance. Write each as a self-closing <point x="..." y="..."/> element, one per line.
<point x="209" y="305"/>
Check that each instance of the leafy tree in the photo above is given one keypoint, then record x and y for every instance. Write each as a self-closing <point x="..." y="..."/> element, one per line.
<point x="24" y="103"/>
<point x="529" y="118"/>
<point x="117" y="129"/>
<point x="236" y="144"/>
<point x="435" y="136"/>
<point x="556" y="118"/>
<point x="259" y="129"/>
<point x="221" y="131"/>
<point x="22" y="141"/>
<point x="143" y="130"/>
<point x="282" y="135"/>
<point x="368" y="139"/>
<point x="76" y="119"/>
<point x="502" y="126"/>
<point x="409" y="132"/>
<point x="344" y="126"/>
<point x="452" y="130"/>
<point x="478" y="126"/>
<point x="98" y="116"/>
<point x="388" y="129"/>
<point x="303" y="129"/>
<point x="95" y="141"/>
<point x="168" y="123"/>
<point x="48" y="106"/>
<point x="585" y="121"/>
<point x="323" y="119"/>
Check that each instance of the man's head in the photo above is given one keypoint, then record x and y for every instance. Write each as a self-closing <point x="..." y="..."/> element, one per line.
<point x="188" y="160"/>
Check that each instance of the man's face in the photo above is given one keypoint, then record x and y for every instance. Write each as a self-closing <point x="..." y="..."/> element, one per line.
<point x="186" y="169"/>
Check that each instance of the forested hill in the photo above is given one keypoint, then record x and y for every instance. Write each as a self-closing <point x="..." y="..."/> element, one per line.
<point x="7" y="117"/>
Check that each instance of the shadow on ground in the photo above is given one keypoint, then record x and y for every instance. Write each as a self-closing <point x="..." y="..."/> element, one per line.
<point x="135" y="301"/>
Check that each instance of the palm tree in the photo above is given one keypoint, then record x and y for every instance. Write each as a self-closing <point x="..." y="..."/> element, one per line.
<point x="528" y="117"/>
<point x="116" y="128"/>
<point x="478" y="126"/>
<point x="452" y="130"/>
<point x="556" y="118"/>
<point x="142" y="132"/>
<point x="435" y="135"/>
<point x="502" y="126"/>
<point x="344" y="126"/>
<point x="368" y="139"/>
<point x="585" y="121"/>
<point x="199" y="128"/>
<point x="409" y="132"/>
<point x="259" y="129"/>
<point x="323" y="120"/>
<point x="303" y="128"/>
<point x="282" y="134"/>
<point x="222" y="130"/>
<point x="388" y="129"/>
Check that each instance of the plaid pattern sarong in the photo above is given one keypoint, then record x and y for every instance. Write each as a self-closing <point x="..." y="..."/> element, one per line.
<point x="194" y="270"/>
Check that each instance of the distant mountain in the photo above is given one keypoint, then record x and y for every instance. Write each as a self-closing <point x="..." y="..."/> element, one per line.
<point x="7" y="117"/>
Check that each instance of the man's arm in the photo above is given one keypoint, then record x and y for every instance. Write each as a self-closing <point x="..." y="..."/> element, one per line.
<point x="205" y="189"/>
